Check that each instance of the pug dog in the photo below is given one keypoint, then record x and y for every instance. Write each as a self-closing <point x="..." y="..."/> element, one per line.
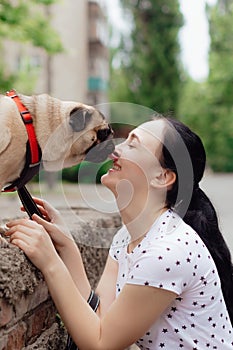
<point x="67" y="133"/>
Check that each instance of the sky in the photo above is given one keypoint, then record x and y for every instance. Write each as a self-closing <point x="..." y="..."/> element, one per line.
<point x="194" y="38"/>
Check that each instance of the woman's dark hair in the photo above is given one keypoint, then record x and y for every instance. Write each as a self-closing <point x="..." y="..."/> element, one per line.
<point x="196" y="209"/>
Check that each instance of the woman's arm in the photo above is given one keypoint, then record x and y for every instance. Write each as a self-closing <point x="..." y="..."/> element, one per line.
<point x="120" y="325"/>
<point x="106" y="288"/>
<point x="128" y="318"/>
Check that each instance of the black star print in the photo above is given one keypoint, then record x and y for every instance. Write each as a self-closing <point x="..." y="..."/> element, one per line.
<point x="179" y="299"/>
<point x="146" y="283"/>
<point x="176" y="330"/>
<point x="195" y="341"/>
<point x="174" y="309"/>
<point x="160" y="257"/>
<point x="192" y="325"/>
<point x="188" y="260"/>
<point x="161" y="345"/>
<point x="184" y="327"/>
<point x="178" y="263"/>
<point x="169" y="316"/>
<point x="164" y="330"/>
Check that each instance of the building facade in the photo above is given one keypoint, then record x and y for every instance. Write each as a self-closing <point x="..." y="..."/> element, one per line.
<point x="81" y="71"/>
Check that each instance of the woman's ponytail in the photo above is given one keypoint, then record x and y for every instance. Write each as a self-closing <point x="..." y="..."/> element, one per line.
<point x="201" y="216"/>
<point x="197" y="211"/>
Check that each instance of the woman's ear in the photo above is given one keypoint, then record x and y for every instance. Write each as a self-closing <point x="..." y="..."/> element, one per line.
<point x="166" y="178"/>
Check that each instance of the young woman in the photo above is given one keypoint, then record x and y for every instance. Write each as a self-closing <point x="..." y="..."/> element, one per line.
<point x="168" y="282"/>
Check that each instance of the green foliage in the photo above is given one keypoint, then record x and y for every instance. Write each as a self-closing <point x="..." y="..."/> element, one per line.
<point x="86" y="172"/>
<point x="208" y="107"/>
<point x="149" y="70"/>
<point x="26" y="22"/>
<point x="220" y="82"/>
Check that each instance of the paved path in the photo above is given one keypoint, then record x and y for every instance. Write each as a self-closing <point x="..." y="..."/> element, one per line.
<point x="219" y="187"/>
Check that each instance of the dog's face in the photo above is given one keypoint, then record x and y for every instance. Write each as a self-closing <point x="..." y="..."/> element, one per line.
<point x="93" y="134"/>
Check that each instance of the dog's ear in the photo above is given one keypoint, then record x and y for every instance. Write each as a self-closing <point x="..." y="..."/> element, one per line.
<point x="79" y="117"/>
<point x="5" y="138"/>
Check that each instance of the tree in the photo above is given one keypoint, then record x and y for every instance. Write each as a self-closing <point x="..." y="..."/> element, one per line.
<point x="26" y="21"/>
<point x="149" y="70"/>
<point x="220" y="82"/>
<point x="208" y="107"/>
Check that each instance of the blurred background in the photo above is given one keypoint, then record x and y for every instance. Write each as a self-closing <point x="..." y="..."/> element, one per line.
<point x="174" y="57"/>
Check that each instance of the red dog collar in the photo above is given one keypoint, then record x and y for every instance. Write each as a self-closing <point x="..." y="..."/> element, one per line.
<point x="33" y="151"/>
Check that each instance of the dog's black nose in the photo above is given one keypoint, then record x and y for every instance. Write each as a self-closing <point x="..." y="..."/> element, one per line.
<point x="103" y="134"/>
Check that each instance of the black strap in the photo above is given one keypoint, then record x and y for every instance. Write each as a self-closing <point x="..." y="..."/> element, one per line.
<point x="28" y="203"/>
<point x="93" y="301"/>
<point x="27" y="173"/>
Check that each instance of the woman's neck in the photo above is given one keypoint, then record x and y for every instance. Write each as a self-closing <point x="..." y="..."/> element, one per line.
<point x="138" y="217"/>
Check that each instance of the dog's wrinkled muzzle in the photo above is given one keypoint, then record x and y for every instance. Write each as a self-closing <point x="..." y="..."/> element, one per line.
<point x="101" y="149"/>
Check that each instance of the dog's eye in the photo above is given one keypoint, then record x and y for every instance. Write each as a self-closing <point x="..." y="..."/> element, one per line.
<point x="93" y="138"/>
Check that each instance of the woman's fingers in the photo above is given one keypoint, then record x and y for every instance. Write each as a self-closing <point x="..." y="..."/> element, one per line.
<point x="46" y="224"/>
<point x="24" y="222"/>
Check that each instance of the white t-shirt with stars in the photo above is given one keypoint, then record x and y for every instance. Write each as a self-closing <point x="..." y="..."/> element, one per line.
<point x="173" y="257"/>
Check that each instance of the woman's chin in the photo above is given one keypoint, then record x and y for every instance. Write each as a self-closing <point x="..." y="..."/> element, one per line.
<point x="106" y="180"/>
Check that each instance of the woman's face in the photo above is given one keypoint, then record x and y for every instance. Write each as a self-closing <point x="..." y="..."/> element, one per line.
<point x="137" y="158"/>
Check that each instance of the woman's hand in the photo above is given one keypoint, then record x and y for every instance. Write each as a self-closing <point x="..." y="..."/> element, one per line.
<point x="53" y="223"/>
<point x="33" y="239"/>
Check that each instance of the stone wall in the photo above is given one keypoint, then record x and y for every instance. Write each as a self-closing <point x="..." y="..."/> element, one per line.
<point x="28" y="318"/>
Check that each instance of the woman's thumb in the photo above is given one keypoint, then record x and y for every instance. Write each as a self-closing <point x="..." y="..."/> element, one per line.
<point x="41" y="221"/>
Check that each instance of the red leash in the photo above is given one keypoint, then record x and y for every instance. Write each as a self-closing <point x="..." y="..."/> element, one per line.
<point x="28" y="121"/>
<point x="33" y="151"/>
